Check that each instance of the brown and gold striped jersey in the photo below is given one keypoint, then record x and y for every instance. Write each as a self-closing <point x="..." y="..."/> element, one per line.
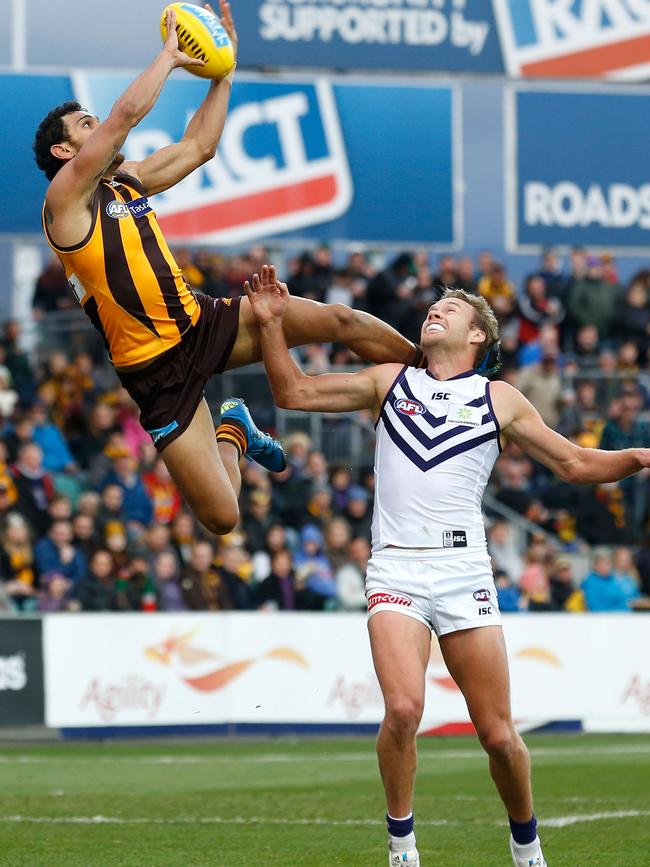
<point x="125" y="277"/>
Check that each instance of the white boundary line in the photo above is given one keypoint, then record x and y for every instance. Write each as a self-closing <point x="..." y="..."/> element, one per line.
<point x="557" y="822"/>
<point x="292" y="758"/>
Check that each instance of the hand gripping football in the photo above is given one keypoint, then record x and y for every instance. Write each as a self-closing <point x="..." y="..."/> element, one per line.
<point x="202" y="35"/>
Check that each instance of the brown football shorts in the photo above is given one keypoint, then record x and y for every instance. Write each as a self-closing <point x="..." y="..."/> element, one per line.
<point x="169" y="390"/>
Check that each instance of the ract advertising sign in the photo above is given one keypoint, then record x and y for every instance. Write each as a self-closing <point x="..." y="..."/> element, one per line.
<point x="579" y="173"/>
<point x="575" y="38"/>
<point x="330" y="162"/>
<point x="357" y="34"/>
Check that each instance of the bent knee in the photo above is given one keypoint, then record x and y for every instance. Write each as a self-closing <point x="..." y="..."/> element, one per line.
<point x="403" y="715"/>
<point x="499" y="739"/>
<point x="219" y="521"/>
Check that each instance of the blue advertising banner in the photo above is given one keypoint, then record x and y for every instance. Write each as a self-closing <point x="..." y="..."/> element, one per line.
<point x="24" y="102"/>
<point x="455" y="35"/>
<point x="580" y="176"/>
<point x="303" y="159"/>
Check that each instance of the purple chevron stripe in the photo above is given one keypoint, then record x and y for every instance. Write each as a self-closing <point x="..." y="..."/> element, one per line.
<point x="426" y="465"/>
<point x="423" y="438"/>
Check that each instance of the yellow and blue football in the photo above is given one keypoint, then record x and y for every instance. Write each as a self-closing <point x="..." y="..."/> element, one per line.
<point x="201" y="34"/>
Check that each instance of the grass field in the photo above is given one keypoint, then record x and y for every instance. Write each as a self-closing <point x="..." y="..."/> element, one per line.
<point x="311" y="803"/>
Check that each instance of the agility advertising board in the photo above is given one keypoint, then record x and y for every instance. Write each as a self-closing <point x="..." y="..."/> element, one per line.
<point x="306" y="159"/>
<point x="279" y="669"/>
<point x="577" y="169"/>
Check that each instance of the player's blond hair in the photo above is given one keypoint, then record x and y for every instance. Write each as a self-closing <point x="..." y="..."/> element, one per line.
<point x="484" y="320"/>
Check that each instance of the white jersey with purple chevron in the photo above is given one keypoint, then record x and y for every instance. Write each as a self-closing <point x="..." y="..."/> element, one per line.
<point x="437" y="442"/>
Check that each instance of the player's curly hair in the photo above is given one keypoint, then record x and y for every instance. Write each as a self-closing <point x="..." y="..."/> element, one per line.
<point x="51" y="131"/>
<point x="484" y="320"/>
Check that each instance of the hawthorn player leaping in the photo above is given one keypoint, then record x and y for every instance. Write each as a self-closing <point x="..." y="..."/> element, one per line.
<point x="164" y="341"/>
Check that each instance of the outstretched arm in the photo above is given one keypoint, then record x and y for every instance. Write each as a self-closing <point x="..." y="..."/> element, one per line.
<point x="78" y="178"/>
<point x="293" y="389"/>
<point x="166" y="167"/>
<point x="522" y="424"/>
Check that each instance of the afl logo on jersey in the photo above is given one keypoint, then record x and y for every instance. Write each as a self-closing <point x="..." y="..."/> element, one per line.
<point x="408" y="407"/>
<point x="117" y="210"/>
<point x="481" y="595"/>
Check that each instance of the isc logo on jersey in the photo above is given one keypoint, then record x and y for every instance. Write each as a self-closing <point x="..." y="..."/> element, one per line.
<point x="553" y="38"/>
<point x="408" y="407"/>
<point x="281" y="164"/>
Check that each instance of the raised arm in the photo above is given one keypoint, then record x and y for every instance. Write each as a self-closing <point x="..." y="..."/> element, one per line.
<point x="166" y="167"/>
<point x="78" y="178"/>
<point x="522" y="424"/>
<point x="293" y="389"/>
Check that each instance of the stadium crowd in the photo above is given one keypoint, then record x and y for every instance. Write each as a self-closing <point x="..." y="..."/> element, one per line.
<point x="90" y="519"/>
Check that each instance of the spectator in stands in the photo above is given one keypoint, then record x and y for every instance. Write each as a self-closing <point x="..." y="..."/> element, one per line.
<point x="167" y="579"/>
<point x="537" y="309"/>
<point x="128" y="420"/>
<point x="351" y="576"/>
<point x="603" y="590"/>
<point x="183" y="535"/>
<point x="203" y="586"/>
<point x="625" y="572"/>
<point x="592" y="300"/>
<point x="85" y="534"/>
<point x="111" y="506"/>
<point x="340" y="482"/>
<point x="279" y="591"/>
<point x="313" y="568"/>
<point x="388" y="293"/>
<point x="465" y="278"/>
<point x="17" y="563"/>
<point x="137" y="506"/>
<point x="633" y="319"/>
<point x="93" y="438"/>
<point x="503" y="549"/>
<point x="257" y="521"/>
<point x="585" y="356"/>
<point x="542" y="384"/>
<point x="52" y="291"/>
<point x="625" y="431"/>
<point x="96" y="591"/>
<point x="17" y="361"/>
<point x="551" y="273"/>
<point x="564" y="594"/>
<point x="336" y="534"/>
<point x="508" y="593"/>
<point x="8" y="395"/>
<point x="235" y="571"/>
<point x="57" y="457"/>
<point x="497" y="289"/>
<point x="34" y="486"/>
<point x="89" y="503"/>
<point x="534" y="581"/>
<point x="162" y="491"/>
<point x="358" y="513"/>
<point x="56" y="593"/>
<point x="57" y="552"/>
<point x="305" y="282"/>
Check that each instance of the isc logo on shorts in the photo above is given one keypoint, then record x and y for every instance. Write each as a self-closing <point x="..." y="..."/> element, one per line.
<point x="387" y="599"/>
<point x="408" y="407"/>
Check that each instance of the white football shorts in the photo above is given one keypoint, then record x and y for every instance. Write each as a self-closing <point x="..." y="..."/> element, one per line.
<point x="446" y="590"/>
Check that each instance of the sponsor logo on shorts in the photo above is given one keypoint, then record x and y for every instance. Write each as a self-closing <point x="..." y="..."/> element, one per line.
<point x="226" y="301"/>
<point x="387" y="599"/>
<point x="482" y="595"/>
<point x="486" y="610"/>
<point x="408" y="407"/>
<point x="454" y="539"/>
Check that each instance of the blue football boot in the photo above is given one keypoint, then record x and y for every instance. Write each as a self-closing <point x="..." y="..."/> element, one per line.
<point x="261" y="446"/>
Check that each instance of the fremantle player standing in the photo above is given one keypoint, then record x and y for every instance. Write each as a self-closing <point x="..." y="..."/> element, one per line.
<point x="439" y="432"/>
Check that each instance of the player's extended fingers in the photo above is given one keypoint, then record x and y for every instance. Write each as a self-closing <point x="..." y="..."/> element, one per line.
<point x="265" y="275"/>
<point x="247" y="288"/>
<point x="256" y="283"/>
<point x="170" y="25"/>
<point x="273" y="276"/>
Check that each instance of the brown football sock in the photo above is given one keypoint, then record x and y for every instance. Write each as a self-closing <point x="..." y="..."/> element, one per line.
<point x="227" y="432"/>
